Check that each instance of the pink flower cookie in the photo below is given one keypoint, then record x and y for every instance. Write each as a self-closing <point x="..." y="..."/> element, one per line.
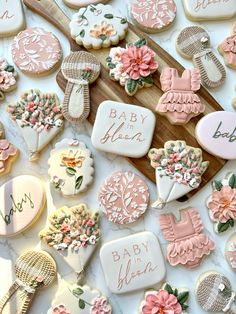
<point x="179" y="103"/>
<point x="8" y="77"/>
<point x="36" y="51"/>
<point x="153" y="15"/>
<point x="228" y="49"/>
<point x="124" y="197"/>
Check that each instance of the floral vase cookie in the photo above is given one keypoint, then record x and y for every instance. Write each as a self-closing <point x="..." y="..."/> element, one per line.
<point x="98" y="26"/>
<point x="230" y="251"/>
<point x="222" y="203"/>
<point x="74" y="232"/>
<point x="132" y="66"/>
<point x="179" y="168"/>
<point x="70" y="167"/>
<point x="8" y="77"/>
<point x="79" y="299"/>
<point x="39" y="118"/>
<point x="188" y="245"/>
<point x="228" y="49"/>
<point x="165" y="300"/>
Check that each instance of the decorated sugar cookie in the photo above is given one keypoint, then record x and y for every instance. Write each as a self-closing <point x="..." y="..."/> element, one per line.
<point x="153" y="16"/>
<point x="8" y="77"/>
<point x="228" y="48"/>
<point x="124" y="197"/>
<point x="188" y="245"/>
<point x="214" y="293"/>
<point x="79" y="69"/>
<point x="39" y="118"/>
<point x="22" y="200"/>
<point x="36" y="51"/>
<point x="193" y="43"/>
<point x="230" y="251"/>
<point x="133" y="262"/>
<point x="76" y="4"/>
<point x="179" y="168"/>
<point x="97" y="26"/>
<point x="132" y="66"/>
<point x="70" y="167"/>
<point x="79" y="299"/>
<point x="12" y="18"/>
<point x="74" y="232"/>
<point x="179" y="103"/>
<point x="123" y="129"/>
<point x="165" y="300"/>
<point x="34" y="270"/>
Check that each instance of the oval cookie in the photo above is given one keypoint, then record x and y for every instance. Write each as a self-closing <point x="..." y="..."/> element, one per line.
<point x="230" y="251"/>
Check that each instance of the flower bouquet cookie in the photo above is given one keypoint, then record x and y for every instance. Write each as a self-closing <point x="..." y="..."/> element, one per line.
<point x="132" y="66"/>
<point x="8" y="77"/>
<point x="179" y="168"/>
<point x="228" y="48"/>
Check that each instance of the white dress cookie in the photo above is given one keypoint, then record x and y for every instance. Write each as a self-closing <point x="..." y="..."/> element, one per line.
<point x="97" y="26"/>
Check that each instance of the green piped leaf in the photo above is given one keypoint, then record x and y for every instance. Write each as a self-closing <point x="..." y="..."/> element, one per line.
<point x="232" y="181"/>
<point x="71" y="171"/>
<point x="102" y="37"/>
<point x="131" y="86"/>
<point x="77" y="292"/>
<point x="123" y="21"/>
<point x="78" y="182"/>
<point x="111" y="65"/>
<point x="81" y="304"/>
<point x="223" y="226"/>
<point x="140" y="42"/>
<point x="82" y="33"/>
<point x="168" y="288"/>
<point x="148" y="80"/>
<point x="183" y="297"/>
<point x="9" y="68"/>
<point x="109" y="16"/>
<point x="217" y="185"/>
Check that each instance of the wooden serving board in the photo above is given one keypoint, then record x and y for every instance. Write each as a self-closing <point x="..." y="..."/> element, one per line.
<point x="104" y="88"/>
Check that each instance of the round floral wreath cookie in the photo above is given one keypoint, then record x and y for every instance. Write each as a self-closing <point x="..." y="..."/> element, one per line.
<point x="8" y="77"/>
<point x="124" y="197"/>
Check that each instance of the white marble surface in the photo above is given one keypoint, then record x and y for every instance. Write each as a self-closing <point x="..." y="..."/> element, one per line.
<point x="10" y="249"/>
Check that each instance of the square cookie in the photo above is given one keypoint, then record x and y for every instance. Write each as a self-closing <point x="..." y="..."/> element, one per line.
<point x="123" y="129"/>
<point x="133" y="262"/>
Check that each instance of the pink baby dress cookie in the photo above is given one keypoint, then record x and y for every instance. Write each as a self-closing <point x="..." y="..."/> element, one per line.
<point x="36" y="51"/>
<point x="124" y="197"/>
<point x="228" y="49"/>
<point x="230" y="251"/>
<point x="179" y="103"/>
<point x="154" y="15"/>
<point x="188" y="245"/>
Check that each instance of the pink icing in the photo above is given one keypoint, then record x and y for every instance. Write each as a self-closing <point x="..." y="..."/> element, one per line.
<point x="100" y="306"/>
<point x="230" y="252"/>
<point x="60" y="309"/>
<point x="7" y="150"/>
<point x="124" y="197"/>
<point x="155" y="14"/>
<point x="229" y="48"/>
<point x="36" y="51"/>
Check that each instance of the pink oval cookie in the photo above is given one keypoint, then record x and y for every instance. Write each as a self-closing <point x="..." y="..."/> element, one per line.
<point x="153" y="15"/>
<point x="124" y="197"/>
<point x="230" y="251"/>
<point x="36" y="51"/>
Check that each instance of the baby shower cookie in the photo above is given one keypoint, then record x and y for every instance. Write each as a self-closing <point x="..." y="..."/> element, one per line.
<point x="154" y="15"/>
<point x="165" y="300"/>
<point x="188" y="245"/>
<point x="230" y="251"/>
<point x="179" y="168"/>
<point x="8" y="77"/>
<point x="124" y="197"/>
<point x="193" y="42"/>
<point x="39" y="118"/>
<point x="206" y="10"/>
<point x="133" y="262"/>
<point x="22" y="200"/>
<point x="123" y="129"/>
<point x="179" y="103"/>
<point x="79" y="69"/>
<point x="36" y="51"/>
<point x="216" y="133"/>
<point x="132" y="66"/>
<point x="97" y="26"/>
<point x="70" y="167"/>
<point x="76" y="4"/>
<point x="228" y="48"/>
<point x="12" y="18"/>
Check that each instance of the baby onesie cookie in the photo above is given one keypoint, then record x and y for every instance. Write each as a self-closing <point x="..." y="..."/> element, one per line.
<point x="154" y="15"/>
<point x="70" y="167"/>
<point x="216" y="133"/>
<point x="179" y="103"/>
<point x="79" y="69"/>
<point x="228" y="48"/>
<point x="74" y="232"/>
<point x="165" y="300"/>
<point x="188" y="245"/>
<point x="79" y="299"/>
<point x="132" y="66"/>
<point x="124" y="197"/>
<point x="230" y="251"/>
<point x="123" y="129"/>
<point x="193" y="43"/>
<point x="36" y="51"/>
<point x="178" y="170"/>
<point x="206" y="10"/>
<point x="97" y="26"/>
<point x="133" y="262"/>
<point x="8" y="77"/>
<point x="22" y="200"/>
<point x="39" y="118"/>
<point x="12" y="17"/>
<point x="76" y="4"/>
